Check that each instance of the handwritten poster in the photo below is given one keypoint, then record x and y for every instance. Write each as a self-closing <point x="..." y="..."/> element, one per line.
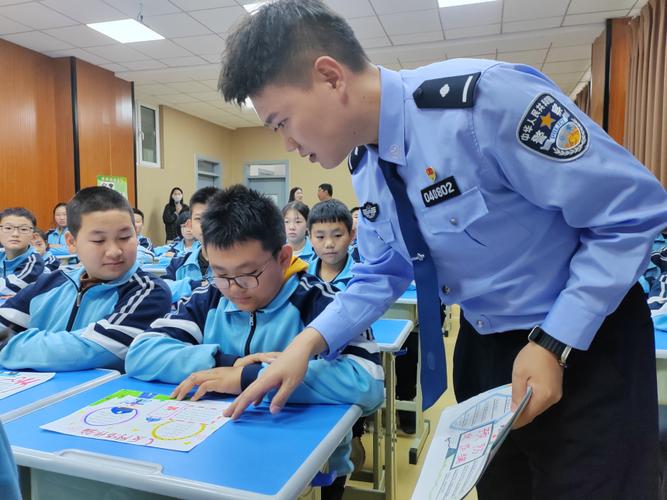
<point x="13" y="382"/>
<point x="145" y="419"/>
<point x="467" y="438"/>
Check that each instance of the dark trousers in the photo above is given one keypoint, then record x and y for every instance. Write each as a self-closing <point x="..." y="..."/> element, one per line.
<point x="600" y="442"/>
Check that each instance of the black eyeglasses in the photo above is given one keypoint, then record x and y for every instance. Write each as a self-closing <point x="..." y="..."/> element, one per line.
<point x="246" y="281"/>
<point x="8" y="228"/>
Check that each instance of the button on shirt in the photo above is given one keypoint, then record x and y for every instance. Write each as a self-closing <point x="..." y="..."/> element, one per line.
<point x="529" y="240"/>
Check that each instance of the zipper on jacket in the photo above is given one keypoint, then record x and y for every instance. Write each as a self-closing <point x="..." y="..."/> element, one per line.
<point x="252" y="332"/>
<point x="75" y="308"/>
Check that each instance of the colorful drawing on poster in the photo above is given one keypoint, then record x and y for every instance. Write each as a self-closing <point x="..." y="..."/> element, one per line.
<point x="145" y="419"/>
<point x="15" y="382"/>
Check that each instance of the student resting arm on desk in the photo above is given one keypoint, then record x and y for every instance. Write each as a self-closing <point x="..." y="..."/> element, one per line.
<point x="485" y="182"/>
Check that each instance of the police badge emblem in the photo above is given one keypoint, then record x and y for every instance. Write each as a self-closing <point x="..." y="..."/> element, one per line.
<point x="430" y="172"/>
<point x="552" y="130"/>
<point x="370" y="210"/>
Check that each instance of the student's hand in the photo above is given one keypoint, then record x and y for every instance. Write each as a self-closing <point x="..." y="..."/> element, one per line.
<point x="260" y="357"/>
<point x="168" y="254"/>
<point x="224" y="379"/>
<point x="284" y="374"/>
<point x="537" y="367"/>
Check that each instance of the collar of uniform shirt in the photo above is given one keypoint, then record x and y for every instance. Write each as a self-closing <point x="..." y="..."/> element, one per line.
<point x="391" y="134"/>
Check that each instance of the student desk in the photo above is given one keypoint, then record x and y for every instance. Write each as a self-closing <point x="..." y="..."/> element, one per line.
<point x="156" y="269"/>
<point x="406" y="308"/>
<point x="390" y="335"/>
<point x="260" y="456"/>
<point x="61" y="386"/>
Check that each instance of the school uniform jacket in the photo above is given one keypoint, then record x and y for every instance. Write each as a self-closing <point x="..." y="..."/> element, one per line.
<point x="20" y="271"/>
<point x="62" y="328"/>
<point x="183" y="274"/>
<point x="208" y="330"/>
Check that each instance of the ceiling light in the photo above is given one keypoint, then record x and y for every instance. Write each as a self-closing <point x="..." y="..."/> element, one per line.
<point x="455" y="3"/>
<point x="126" y="31"/>
<point x="252" y="7"/>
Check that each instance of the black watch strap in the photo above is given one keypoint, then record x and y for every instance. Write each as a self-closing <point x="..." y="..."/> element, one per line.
<point x="543" y="339"/>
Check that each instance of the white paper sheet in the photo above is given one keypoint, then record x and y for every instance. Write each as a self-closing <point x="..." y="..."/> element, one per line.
<point x="145" y="419"/>
<point x="467" y="437"/>
<point x="13" y="382"/>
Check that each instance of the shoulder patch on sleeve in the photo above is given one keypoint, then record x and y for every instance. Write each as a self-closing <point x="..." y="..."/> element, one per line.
<point x="355" y="157"/>
<point x="449" y="92"/>
<point x="549" y="128"/>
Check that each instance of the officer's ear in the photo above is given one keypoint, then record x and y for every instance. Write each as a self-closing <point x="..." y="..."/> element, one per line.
<point x="328" y="70"/>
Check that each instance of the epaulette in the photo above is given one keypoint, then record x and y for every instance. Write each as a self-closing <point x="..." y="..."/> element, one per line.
<point x="355" y="157"/>
<point x="450" y="92"/>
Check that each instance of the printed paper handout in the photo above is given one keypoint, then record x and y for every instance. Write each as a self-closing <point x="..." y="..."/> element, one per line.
<point x="145" y="419"/>
<point x="13" y="382"/>
<point x="467" y="438"/>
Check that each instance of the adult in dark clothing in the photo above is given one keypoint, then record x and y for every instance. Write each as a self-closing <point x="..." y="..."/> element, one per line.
<point x="171" y="212"/>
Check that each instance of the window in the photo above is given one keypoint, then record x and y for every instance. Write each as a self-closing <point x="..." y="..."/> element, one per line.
<point x="148" y="135"/>
<point x="207" y="173"/>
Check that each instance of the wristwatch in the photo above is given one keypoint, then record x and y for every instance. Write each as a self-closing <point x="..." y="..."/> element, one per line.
<point x="542" y="338"/>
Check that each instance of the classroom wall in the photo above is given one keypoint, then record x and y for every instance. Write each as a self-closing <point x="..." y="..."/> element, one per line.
<point x="105" y="126"/>
<point x="262" y="144"/>
<point x="182" y="137"/>
<point x="35" y="131"/>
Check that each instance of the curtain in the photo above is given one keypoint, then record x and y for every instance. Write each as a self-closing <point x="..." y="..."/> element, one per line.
<point x="646" y="108"/>
<point x="583" y="99"/>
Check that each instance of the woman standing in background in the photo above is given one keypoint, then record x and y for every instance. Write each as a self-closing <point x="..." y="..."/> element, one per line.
<point x="171" y="212"/>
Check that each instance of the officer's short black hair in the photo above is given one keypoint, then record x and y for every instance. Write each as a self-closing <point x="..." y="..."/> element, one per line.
<point x="326" y="187"/>
<point x="203" y="195"/>
<point x="330" y="211"/>
<point x="238" y="215"/>
<point x="19" y="212"/>
<point x="139" y="212"/>
<point x="94" y="199"/>
<point x="354" y="209"/>
<point x="279" y="43"/>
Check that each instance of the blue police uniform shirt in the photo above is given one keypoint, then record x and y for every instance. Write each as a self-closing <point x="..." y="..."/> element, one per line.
<point x="532" y="213"/>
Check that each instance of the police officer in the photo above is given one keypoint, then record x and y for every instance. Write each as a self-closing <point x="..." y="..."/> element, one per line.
<point x="485" y="183"/>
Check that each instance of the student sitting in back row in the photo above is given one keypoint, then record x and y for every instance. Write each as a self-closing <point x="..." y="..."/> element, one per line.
<point x="56" y="237"/>
<point x="183" y="244"/>
<point x="144" y="241"/>
<point x="20" y="264"/>
<point x="330" y="228"/>
<point x="190" y="271"/>
<point x="261" y="300"/>
<point x="39" y="243"/>
<point x="295" y="215"/>
<point x="87" y="317"/>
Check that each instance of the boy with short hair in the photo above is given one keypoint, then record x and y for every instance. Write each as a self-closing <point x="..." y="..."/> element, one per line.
<point x="87" y="317"/>
<point x="190" y="271"/>
<point x="261" y="300"/>
<point x="184" y="243"/>
<point x="39" y="243"/>
<point x="330" y="228"/>
<point x="143" y="241"/>
<point x="20" y="264"/>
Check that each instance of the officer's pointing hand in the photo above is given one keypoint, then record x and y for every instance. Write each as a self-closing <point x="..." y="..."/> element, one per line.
<point x="539" y="368"/>
<point x="284" y="374"/>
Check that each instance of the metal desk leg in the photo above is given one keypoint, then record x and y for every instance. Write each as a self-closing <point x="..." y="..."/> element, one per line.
<point x="390" y="428"/>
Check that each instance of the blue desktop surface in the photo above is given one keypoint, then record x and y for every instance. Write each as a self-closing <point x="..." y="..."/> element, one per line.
<point x="390" y="334"/>
<point x="60" y="386"/>
<point x="661" y="344"/>
<point x="258" y="455"/>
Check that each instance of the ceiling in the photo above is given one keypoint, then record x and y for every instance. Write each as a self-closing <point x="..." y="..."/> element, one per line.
<point x="181" y="71"/>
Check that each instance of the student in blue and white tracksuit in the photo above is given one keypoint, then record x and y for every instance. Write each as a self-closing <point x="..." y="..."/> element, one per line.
<point x="187" y="272"/>
<point x="20" y="263"/>
<point x="86" y="317"/>
<point x="20" y="271"/>
<point x="261" y="299"/>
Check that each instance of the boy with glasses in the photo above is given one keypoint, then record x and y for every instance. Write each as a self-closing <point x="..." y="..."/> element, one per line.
<point x="221" y="338"/>
<point x="20" y="264"/>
